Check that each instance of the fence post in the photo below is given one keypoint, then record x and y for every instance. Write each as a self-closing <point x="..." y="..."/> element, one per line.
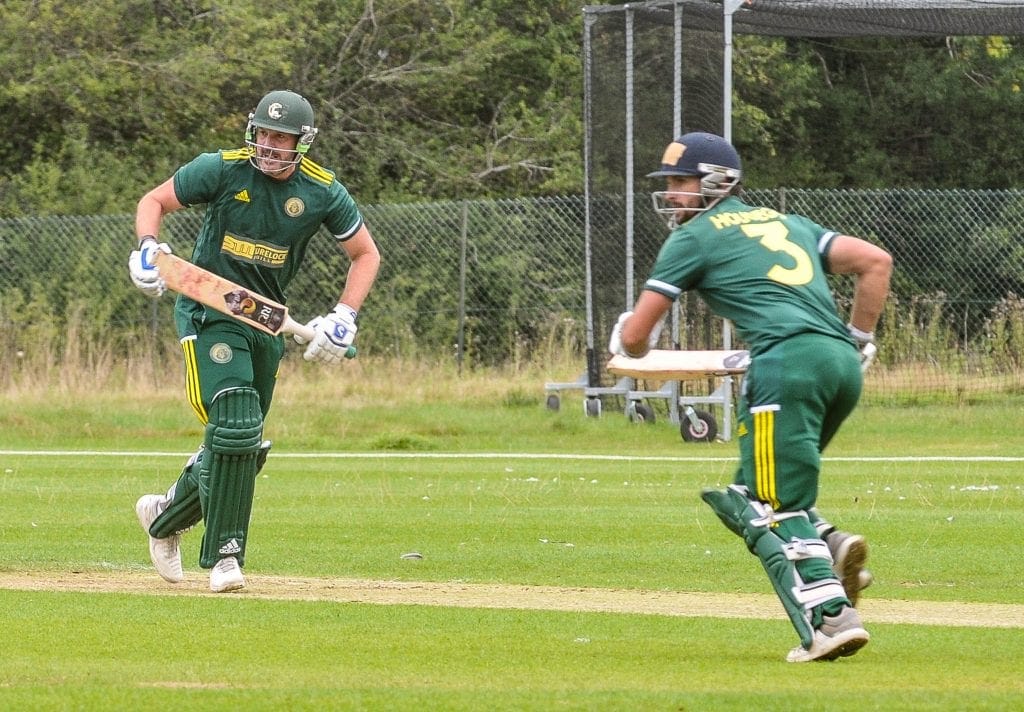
<point x="463" y="230"/>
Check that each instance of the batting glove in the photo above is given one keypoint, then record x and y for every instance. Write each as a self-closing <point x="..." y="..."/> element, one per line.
<point x="333" y="335"/>
<point x="615" y="347"/>
<point x="865" y="344"/>
<point x="143" y="269"/>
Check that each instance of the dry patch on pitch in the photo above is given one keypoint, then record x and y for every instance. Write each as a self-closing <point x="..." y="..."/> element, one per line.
<point x="483" y="595"/>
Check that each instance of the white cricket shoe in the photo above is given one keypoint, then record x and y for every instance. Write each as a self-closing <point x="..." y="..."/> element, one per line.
<point x="838" y="636"/>
<point x="226" y="575"/>
<point x="164" y="553"/>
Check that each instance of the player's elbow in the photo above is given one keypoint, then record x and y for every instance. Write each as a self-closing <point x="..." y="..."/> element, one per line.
<point x="880" y="265"/>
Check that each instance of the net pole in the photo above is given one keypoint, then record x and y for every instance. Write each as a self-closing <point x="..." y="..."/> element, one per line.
<point x="593" y="374"/>
<point x="630" y="287"/>
<point x="677" y="121"/>
<point x="728" y="8"/>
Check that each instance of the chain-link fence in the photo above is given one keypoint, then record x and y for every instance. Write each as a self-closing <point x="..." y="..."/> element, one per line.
<point x="954" y="323"/>
<point x="487" y="281"/>
<point x="474" y="280"/>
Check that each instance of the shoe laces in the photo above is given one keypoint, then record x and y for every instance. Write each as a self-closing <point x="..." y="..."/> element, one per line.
<point x="228" y="563"/>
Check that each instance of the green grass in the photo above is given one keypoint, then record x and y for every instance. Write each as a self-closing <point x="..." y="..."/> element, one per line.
<point x="940" y="530"/>
<point x="619" y="524"/>
<point x="215" y="653"/>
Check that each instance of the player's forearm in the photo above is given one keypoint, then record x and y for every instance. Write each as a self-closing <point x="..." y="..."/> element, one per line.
<point x="361" y="275"/>
<point x="148" y="216"/>
<point x="153" y="206"/>
<point x="640" y="332"/>
<point x="869" y="296"/>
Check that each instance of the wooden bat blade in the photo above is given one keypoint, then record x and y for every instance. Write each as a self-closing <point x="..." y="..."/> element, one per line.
<point x="225" y="296"/>
<point x="680" y="365"/>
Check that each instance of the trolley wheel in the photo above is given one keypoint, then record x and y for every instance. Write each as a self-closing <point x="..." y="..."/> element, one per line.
<point x="698" y="427"/>
<point x="553" y="402"/>
<point x="640" y="412"/>
<point x="592" y="407"/>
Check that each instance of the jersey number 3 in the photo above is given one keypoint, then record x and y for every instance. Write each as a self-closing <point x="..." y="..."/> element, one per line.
<point x="773" y="236"/>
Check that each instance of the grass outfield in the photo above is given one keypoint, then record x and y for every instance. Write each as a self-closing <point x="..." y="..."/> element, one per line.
<point x="509" y="606"/>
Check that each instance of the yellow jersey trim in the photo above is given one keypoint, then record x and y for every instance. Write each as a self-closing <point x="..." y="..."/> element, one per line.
<point x="192" y="389"/>
<point x="236" y="154"/>
<point x="316" y="171"/>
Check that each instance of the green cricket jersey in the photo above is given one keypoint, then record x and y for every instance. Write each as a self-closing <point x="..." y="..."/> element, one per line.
<point x="762" y="270"/>
<point x="256" y="229"/>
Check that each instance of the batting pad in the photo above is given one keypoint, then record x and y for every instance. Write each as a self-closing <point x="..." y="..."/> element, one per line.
<point x="185" y="510"/>
<point x="724" y="508"/>
<point x="787" y="545"/>
<point x="228" y="475"/>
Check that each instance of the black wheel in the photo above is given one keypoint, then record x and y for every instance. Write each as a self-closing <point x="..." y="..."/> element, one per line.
<point x="703" y="429"/>
<point x="592" y="407"/>
<point x="641" y="412"/>
<point x="553" y="402"/>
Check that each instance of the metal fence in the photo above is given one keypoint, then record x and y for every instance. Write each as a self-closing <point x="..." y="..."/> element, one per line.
<point x="471" y="279"/>
<point x="483" y="281"/>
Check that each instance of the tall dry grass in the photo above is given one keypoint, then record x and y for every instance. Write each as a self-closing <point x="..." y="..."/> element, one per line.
<point x="76" y="366"/>
<point x="920" y="361"/>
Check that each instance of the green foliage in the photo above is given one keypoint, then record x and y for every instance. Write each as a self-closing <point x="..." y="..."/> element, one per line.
<point x="422" y="99"/>
<point x="111" y="96"/>
<point x="414" y="98"/>
<point x="880" y="112"/>
<point x="1004" y="342"/>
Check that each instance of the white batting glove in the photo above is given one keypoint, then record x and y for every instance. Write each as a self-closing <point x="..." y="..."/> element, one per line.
<point x="333" y="335"/>
<point x="865" y="344"/>
<point x="615" y="347"/>
<point x="143" y="269"/>
<point x="615" y="340"/>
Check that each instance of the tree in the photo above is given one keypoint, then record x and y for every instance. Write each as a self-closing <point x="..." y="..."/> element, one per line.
<point x="416" y="97"/>
<point x="881" y="112"/>
<point x="439" y="99"/>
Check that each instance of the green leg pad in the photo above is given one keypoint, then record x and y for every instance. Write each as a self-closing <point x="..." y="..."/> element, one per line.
<point x="724" y="506"/>
<point x="227" y="477"/>
<point x="796" y="560"/>
<point x="185" y="510"/>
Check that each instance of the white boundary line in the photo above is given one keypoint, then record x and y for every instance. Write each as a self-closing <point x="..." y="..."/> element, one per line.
<point x="493" y="455"/>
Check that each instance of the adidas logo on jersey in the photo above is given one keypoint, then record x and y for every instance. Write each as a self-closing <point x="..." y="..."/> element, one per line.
<point x="232" y="547"/>
<point x="242" y="196"/>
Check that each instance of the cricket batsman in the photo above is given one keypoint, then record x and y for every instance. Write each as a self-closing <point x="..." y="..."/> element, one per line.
<point x="264" y="203"/>
<point x="766" y="272"/>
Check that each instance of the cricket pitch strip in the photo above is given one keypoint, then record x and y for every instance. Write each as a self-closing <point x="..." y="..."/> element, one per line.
<point x="510" y="596"/>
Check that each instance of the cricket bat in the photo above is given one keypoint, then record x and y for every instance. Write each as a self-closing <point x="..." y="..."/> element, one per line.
<point x="670" y="365"/>
<point x="225" y="296"/>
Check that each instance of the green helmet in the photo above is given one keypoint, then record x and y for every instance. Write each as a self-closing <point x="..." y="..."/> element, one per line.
<point x="283" y="111"/>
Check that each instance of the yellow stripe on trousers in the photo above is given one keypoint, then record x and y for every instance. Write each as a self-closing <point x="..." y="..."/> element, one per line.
<point x="192" y="390"/>
<point x="764" y="456"/>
